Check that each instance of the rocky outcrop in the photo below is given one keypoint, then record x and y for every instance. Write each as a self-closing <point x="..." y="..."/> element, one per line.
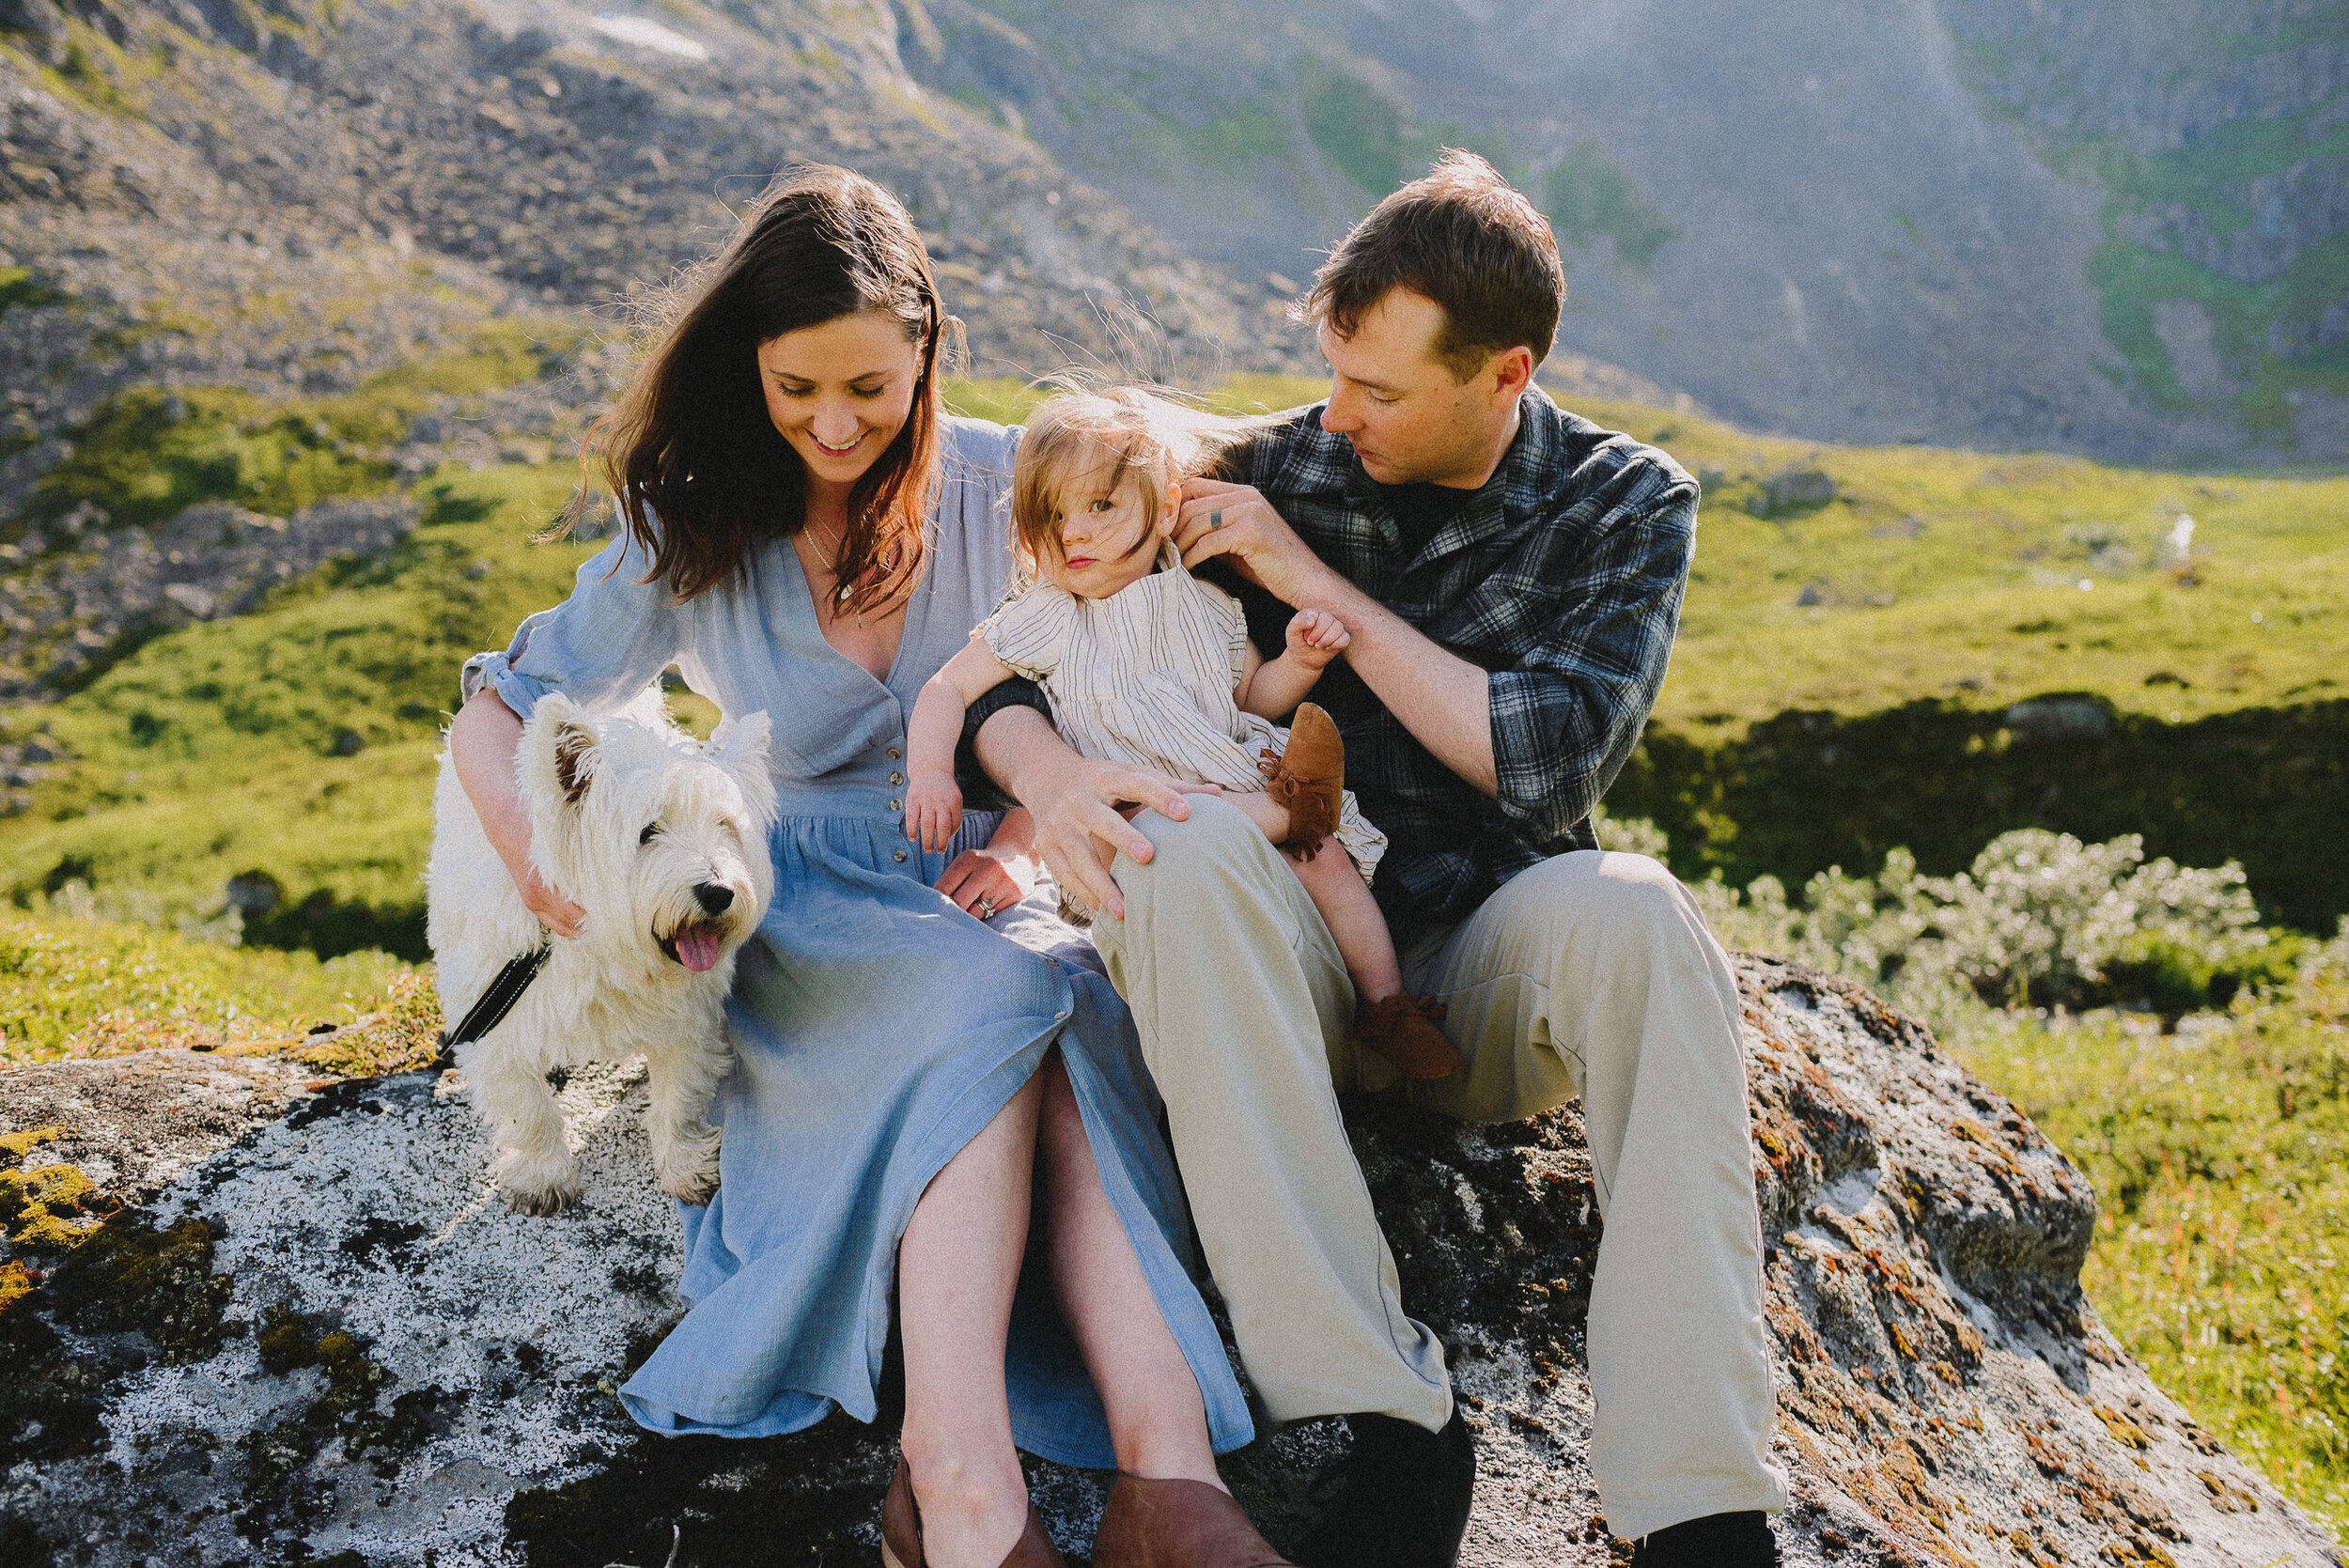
<point x="71" y="611"/>
<point x="290" y="194"/>
<point x="310" y="1332"/>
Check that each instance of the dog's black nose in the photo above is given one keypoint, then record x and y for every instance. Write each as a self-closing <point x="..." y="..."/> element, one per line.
<point x="713" y="899"/>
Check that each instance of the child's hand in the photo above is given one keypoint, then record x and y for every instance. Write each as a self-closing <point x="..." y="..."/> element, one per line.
<point x="1315" y="637"/>
<point x="933" y="809"/>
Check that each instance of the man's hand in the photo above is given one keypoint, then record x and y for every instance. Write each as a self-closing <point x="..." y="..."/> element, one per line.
<point x="1080" y="823"/>
<point x="1315" y="637"/>
<point x="933" y="809"/>
<point x="1236" y="522"/>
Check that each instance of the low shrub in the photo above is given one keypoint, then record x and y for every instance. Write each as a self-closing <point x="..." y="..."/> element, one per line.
<point x="2039" y="919"/>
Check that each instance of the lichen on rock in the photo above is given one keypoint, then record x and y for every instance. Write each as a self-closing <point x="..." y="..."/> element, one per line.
<point x="312" y="1334"/>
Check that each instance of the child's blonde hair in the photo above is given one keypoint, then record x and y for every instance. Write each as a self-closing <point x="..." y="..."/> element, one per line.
<point x="1155" y="439"/>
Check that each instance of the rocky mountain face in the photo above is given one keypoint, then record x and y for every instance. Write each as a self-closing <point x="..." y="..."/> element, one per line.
<point x="2111" y="227"/>
<point x="2219" y="135"/>
<point x="309" y="1333"/>
<point x="269" y="205"/>
<point x="530" y="153"/>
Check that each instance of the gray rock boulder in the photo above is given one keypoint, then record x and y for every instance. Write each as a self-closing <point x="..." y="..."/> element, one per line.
<point x="308" y="1331"/>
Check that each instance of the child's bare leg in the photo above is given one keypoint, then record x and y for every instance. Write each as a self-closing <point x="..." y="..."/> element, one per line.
<point x="1270" y="817"/>
<point x="1353" y="916"/>
<point x="1390" y="1023"/>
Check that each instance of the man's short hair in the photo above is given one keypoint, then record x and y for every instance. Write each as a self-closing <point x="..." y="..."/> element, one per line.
<point x="1464" y="238"/>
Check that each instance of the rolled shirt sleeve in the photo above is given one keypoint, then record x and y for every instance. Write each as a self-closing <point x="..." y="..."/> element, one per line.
<point x="602" y="645"/>
<point x="1567" y="719"/>
<point x="979" y="791"/>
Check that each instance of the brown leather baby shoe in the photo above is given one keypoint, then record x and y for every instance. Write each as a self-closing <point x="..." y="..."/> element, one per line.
<point x="1177" y="1523"/>
<point x="1310" y="781"/>
<point x="1402" y="1028"/>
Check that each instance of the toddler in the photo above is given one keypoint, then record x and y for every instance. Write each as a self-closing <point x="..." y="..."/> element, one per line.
<point x="1145" y="665"/>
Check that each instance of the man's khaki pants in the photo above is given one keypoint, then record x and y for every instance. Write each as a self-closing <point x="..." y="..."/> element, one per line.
<point x="1590" y="974"/>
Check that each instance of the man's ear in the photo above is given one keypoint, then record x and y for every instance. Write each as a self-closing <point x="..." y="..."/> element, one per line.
<point x="1513" y="371"/>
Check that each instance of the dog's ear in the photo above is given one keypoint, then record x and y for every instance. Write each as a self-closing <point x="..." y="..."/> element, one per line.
<point x="560" y="750"/>
<point x="575" y="759"/>
<point x="740" y="747"/>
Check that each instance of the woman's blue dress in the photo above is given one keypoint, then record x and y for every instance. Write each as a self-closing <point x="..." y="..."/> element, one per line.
<point x="877" y="1027"/>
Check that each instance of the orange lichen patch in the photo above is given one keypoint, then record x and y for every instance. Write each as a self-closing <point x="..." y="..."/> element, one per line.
<point x="1984" y="1138"/>
<point x="2225" y="1495"/>
<point x="2123" y="1429"/>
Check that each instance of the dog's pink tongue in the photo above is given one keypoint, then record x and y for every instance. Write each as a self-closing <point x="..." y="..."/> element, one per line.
<point x="697" y="949"/>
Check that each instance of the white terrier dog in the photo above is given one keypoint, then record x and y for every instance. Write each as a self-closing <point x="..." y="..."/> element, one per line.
<point x="662" y="840"/>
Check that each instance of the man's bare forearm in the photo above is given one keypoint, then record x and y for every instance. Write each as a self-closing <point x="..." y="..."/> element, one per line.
<point x="1443" y="698"/>
<point x="1022" y="753"/>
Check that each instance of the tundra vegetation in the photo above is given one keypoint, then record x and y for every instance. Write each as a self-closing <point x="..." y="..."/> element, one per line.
<point x="223" y="851"/>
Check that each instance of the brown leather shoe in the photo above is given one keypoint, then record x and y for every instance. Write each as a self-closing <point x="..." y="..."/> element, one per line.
<point x="1177" y="1523"/>
<point x="1402" y="1028"/>
<point x="1310" y="780"/>
<point x="901" y="1522"/>
<point x="901" y="1532"/>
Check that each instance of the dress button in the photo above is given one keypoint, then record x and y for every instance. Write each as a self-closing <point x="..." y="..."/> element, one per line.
<point x="897" y="806"/>
<point x="898" y="856"/>
<point x="894" y="753"/>
<point x="897" y="778"/>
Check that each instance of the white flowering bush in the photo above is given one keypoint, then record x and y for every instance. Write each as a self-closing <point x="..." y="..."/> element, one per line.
<point x="2040" y="919"/>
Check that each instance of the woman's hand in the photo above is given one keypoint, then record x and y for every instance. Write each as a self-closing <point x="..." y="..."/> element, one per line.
<point x="482" y="740"/>
<point x="555" y="912"/>
<point x="987" y="881"/>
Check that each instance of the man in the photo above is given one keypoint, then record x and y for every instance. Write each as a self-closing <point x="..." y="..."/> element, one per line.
<point x="1512" y="578"/>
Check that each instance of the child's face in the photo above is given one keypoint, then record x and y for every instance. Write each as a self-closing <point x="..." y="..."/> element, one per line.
<point x="1107" y="542"/>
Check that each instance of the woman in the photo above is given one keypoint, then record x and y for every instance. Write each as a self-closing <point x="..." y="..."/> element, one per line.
<point x="900" y="1064"/>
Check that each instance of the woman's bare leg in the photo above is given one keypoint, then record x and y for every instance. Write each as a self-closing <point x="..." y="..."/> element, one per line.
<point x="1158" y="1422"/>
<point x="957" y="1267"/>
<point x="1355" y="921"/>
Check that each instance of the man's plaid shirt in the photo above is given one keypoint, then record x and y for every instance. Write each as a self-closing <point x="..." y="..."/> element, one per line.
<point x="1562" y="577"/>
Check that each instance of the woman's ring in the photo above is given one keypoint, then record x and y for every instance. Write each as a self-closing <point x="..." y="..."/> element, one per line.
<point x="1215" y="519"/>
<point x="986" y="908"/>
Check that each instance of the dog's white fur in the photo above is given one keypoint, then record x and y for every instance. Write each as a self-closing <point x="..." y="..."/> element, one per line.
<point x="630" y="817"/>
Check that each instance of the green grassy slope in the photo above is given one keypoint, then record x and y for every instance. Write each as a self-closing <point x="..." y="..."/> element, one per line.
<point x="2219" y="1159"/>
<point x="213" y="750"/>
<point x="1955" y="574"/>
<point x="1949" y="574"/>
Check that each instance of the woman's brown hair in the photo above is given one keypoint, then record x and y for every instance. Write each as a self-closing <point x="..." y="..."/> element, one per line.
<point x="691" y="444"/>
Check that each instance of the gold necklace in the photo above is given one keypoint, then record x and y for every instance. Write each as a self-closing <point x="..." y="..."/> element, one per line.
<point x="841" y="590"/>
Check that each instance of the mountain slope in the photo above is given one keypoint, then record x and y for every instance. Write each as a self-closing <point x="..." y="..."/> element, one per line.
<point x="292" y="194"/>
<point x="1903" y="222"/>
